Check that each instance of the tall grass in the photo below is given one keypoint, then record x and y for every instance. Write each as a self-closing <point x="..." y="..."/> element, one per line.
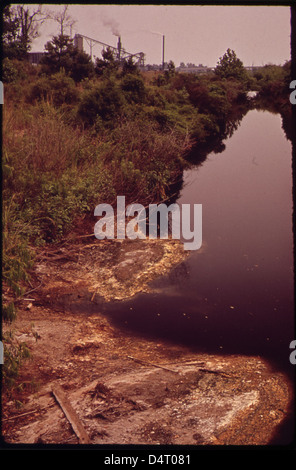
<point x="55" y="172"/>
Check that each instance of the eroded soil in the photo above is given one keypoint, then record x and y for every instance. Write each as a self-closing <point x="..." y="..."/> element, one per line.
<point x="126" y="389"/>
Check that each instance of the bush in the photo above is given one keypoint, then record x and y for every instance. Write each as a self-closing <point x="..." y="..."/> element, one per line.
<point x="273" y="81"/>
<point x="51" y="174"/>
<point x="154" y="97"/>
<point x="62" y="201"/>
<point x="58" y="89"/>
<point x="209" y="99"/>
<point x="145" y="161"/>
<point x="105" y="101"/>
<point x="14" y="70"/>
<point x="16" y="256"/>
<point x="15" y="353"/>
<point x="9" y="71"/>
<point x="133" y="88"/>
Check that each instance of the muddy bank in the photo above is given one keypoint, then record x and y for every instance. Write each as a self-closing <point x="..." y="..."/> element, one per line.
<point x="126" y="389"/>
<point x="108" y="269"/>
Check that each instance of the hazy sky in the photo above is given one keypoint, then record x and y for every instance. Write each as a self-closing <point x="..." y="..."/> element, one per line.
<point x="193" y="33"/>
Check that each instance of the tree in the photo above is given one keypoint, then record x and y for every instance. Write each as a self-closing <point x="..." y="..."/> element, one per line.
<point x="169" y="72"/>
<point x="12" y="46"/>
<point x="133" y="88"/>
<point x="102" y="104"/>
<point x="30" y="22"/>
<point x="63" y="19"/>
<point x="62" y="54"/>
<point x="20" y="27"/>
<point x="129" y="67"/>
<point x="230" y="66"/>
<point x="10" y="24"/>
<point x="171" y="67"/>
<point x="108" y="64"/>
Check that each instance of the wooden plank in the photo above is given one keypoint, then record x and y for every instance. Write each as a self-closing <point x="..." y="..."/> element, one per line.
<point x="71" y="414"/>
<point x="154" y="365"/>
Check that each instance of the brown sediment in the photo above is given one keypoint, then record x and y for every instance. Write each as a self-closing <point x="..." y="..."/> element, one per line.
<point x="126" y="389"/>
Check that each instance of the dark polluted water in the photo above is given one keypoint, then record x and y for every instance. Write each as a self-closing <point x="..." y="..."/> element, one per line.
<point x="235" y="295"/>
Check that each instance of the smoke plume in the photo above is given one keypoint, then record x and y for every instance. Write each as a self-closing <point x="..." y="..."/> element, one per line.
<point x="112" y="24"/>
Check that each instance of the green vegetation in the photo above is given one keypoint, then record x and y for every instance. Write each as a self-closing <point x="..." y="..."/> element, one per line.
<point x="230" y="66"/>
<point x="273" y="85"/>
<point x="70" y="143"/>
<point x="60" y="54"/>
<point x="273" y="82"/>
<point x="20" y="26"/>
<point x="14" y="354"/>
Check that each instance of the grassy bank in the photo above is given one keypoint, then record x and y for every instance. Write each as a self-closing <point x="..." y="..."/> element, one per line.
<point x="69" y="146"/>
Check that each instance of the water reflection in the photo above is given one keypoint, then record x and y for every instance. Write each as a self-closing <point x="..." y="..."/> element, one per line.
<point x="216" y="144"/>
<point x="235" y="294"/>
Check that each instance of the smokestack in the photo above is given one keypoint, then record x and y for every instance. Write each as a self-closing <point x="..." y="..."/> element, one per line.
<point x="78" y="42"/>
<point x="163" y="52"/>
<point x="119" y="47"/>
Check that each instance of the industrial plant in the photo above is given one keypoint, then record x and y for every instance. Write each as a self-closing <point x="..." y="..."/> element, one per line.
<point x="119" y="52"/>
<point x="90" y="45"/>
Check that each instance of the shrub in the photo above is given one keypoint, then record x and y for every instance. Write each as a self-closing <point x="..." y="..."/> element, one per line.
<point x="16" y="255"/>
<point x="145" y="161"/>
<point x="104" y="100"/>
<point x="51" y="174"/>
<point x="133" y="88"/>
<point x="16" y="70"/>
<point x="273" y="81"/>
<point x="15" y="353"/>
<point x="209" y="99"/>
<point x="62" y="201"/>
<point x="58" y="88"/>
<point x="9" y="71"/>
<point x="154" y="97"/>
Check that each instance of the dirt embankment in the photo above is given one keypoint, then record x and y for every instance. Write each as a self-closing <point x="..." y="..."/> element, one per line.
<point x="125" y="389"/>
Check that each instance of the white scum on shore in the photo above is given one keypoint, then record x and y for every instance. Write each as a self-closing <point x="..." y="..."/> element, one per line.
<point x="160" y="220"/>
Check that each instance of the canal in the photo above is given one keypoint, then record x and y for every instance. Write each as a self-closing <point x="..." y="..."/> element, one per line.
<point x="235" y="295"/>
